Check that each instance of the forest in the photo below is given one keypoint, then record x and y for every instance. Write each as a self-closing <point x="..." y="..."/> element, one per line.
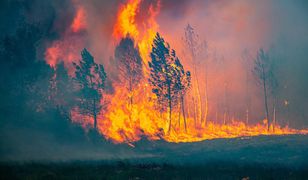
<point x="140" y="83"/>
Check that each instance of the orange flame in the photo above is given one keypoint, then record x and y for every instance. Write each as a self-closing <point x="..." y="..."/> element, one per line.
<point x="142" y="32"/>
<point x="124" y="123"/>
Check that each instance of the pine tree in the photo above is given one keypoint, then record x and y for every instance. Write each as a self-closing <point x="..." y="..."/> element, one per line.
<point x="193" y="47"/>
<point x="90" y="78"/>
<point x="129" y="64"/>
<point x="61" y="91"/>
<point x="166" y="73"/>
<point x="182" y="84"/>
<point x="264" y="73"/>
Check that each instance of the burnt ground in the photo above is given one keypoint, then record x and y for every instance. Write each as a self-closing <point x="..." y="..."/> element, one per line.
<point x="262" y="157"/>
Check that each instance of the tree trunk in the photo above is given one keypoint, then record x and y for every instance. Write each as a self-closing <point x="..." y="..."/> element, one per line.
<point x="274" y="114"/>
<point x="247" y="100"/>
<point x="226" y="110"/>
<point x="183" y="112"/>
<point x="130" y="99"/>
<point x="170" y="112"/>
<point x="194" y="111"/>
<point x="94" y="114"/>
<point x="170" y="107"/>
<point x="197" y="94"/>
<point x="179" y="118"/>
<point x="206" y="97"/>
<point x="265" y="103"/>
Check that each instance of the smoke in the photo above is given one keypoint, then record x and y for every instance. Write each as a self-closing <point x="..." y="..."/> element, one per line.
<point x="228" y="26"/>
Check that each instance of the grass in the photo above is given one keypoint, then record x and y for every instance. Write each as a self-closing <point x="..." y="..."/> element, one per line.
<point x="124" y="170"/>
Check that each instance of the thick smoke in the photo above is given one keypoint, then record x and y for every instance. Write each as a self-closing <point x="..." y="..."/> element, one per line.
<point x="228" y="26"/>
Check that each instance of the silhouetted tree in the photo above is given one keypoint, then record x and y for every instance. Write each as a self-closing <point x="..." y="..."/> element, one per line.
<point x="247" y="61"/>
<point x="182" y="84"/>
<point x="166" y="76"/>
<point x="90" y="77"/>
<point x="61" y="91"/>
<point x="193" y="45"/>
<point x="264" y="72"/>
<point x="129" y="64"/>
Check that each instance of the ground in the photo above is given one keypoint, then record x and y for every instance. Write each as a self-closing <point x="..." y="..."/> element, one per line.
<point x="262" y="157"/>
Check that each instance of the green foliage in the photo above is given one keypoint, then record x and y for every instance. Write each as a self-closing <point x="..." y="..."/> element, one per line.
<point x="90" y="78"/>
<point x="167" y="75"/>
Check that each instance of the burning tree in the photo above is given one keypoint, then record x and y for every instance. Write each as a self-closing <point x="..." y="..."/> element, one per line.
<point x="167" y="76"/>
<point x="129" y="64"/>
<point x="194" y="48"/>
<point x="264" y="71"/>
<point x="90" y="78"/>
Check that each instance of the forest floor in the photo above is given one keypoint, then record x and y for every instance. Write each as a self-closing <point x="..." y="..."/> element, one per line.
<point x="262" y="157"/>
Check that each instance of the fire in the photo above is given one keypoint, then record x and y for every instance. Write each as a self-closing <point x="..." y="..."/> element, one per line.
<point x="122" y="122"/>
<point x="142" y="32"/>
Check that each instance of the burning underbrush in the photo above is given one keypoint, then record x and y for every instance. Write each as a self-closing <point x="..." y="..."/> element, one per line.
<point x="153" y="95"/>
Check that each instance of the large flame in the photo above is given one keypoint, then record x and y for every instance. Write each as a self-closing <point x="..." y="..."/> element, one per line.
<point x="142" y="32"/>
<point x="122" y="122"/>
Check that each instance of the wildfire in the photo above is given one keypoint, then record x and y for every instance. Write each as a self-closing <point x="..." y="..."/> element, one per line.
<point x="142" y="32"/>
<point x="122" y="122"/>
<point x="128" y="123"/>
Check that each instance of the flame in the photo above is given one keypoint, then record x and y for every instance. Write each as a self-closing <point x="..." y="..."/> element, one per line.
<point x="121" y="122"/>
<point x="125" y="123"/>
<point x="142" y="32"/>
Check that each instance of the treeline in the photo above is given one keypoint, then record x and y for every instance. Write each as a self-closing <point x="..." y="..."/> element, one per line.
<point x="33" y="92"/>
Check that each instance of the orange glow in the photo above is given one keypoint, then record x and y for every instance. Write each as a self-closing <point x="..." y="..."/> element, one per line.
<point x="142" y="32"/>
<point x="79" y="20"/>
<point x="68" y="48"/>
<point x="123" y="123"/>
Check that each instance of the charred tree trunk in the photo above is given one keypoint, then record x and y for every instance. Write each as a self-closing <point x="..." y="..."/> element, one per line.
<point x="198" y="104"/>
<point x="183" y="112"/>
<point x="265" y="101"/>
<point x="274" y="113"/>
<point x="94" y="114"/>
<point x="170" y="107"/>
<point x="247" y="100"/>
<point x="179" y="117"/>
<point x="206" y="96"/>
<point x="194" y="111"/>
